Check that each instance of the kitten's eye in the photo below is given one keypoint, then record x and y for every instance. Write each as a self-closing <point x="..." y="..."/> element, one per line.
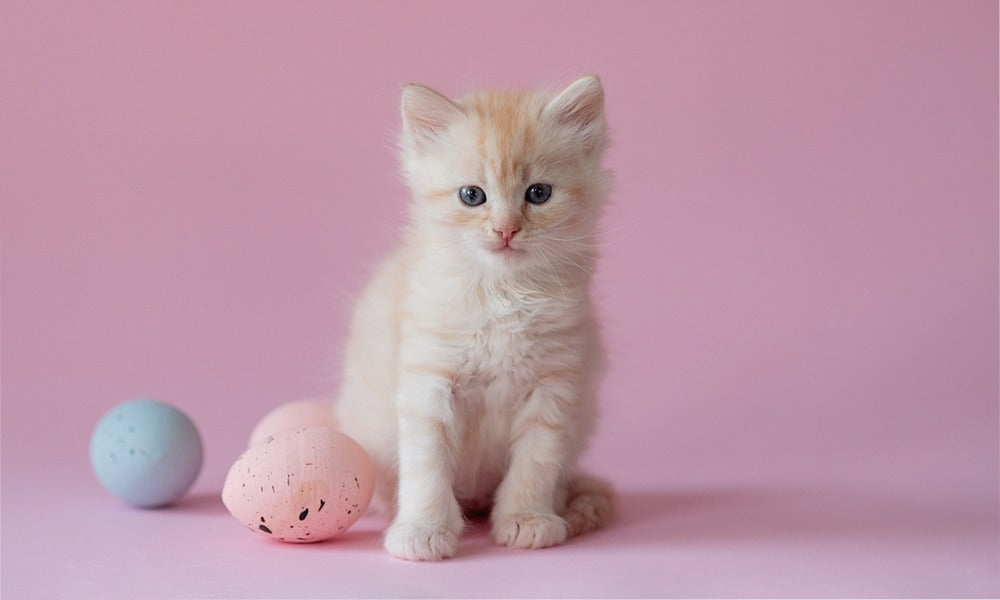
<point x="538" y="193"/>
<point x="472" y="195"/>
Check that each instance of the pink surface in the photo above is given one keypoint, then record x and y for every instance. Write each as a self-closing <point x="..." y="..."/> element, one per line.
<point x="798" y="283"/>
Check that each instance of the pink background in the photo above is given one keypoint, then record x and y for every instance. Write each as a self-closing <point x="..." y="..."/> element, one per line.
<point x="798" y="282"/>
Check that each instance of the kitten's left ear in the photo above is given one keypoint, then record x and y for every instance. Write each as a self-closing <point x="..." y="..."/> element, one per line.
<point x="580" y="107"/>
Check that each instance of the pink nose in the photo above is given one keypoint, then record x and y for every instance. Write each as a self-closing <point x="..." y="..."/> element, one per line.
<point x="507" y="233"/>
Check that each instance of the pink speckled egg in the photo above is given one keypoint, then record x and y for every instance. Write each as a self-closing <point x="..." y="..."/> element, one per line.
<point x="305" y="485"/>
<point x="293" y="415"/>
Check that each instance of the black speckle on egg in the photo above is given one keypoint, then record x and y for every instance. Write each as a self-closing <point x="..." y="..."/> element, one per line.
<point x="265" y="529"/>
<point x="303" y="515"/>
<point x="322" y="503"/>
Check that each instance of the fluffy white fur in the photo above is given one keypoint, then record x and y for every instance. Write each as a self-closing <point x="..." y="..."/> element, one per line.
<point x="472" y="367"/>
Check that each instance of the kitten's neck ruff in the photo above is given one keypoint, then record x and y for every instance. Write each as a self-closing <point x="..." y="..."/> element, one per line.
<point x="531" y="288"/>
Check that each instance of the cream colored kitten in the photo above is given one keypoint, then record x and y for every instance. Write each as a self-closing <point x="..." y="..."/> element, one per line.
<point x="472" y="368"/>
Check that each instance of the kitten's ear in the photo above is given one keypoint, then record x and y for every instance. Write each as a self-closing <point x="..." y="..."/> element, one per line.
<point x="426" y="113"/>
<point x="580" y="107"/>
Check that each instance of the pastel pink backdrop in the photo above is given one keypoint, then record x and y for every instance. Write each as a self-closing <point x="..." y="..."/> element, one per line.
<point x="798" y="282"/>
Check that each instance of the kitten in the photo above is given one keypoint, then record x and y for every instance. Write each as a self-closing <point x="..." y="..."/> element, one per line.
<point x="472" y="367"/>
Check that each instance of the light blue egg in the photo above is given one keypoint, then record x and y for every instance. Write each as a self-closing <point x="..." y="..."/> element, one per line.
<point x="146" y="452"/>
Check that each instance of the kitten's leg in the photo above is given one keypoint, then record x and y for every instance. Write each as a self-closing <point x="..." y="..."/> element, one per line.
<point x="524" y="513"/>
<point x="428" y="519"/>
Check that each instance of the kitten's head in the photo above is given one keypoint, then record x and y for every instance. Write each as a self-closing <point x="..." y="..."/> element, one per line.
<point x="509" y="179"/>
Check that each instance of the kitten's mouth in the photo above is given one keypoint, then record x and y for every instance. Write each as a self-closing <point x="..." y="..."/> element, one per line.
<point x="506" y="250"/>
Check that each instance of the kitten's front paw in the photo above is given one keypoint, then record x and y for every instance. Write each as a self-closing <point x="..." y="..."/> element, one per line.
<point x="412" y="541"/>
<point x="530" y="530"/>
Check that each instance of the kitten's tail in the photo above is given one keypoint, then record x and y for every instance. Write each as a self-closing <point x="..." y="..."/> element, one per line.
<point x="590" y="503"/>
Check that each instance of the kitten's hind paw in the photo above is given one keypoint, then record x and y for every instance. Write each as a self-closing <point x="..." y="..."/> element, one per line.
<point x="530" y="530"/>
<point x="411" y="541"/>
<point x="590" y="505"/>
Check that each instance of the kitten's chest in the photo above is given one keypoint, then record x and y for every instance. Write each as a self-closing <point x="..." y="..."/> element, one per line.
<point x="494" y="336"/>
<point x="501" y="345"/>
<point x="506" y="341"/>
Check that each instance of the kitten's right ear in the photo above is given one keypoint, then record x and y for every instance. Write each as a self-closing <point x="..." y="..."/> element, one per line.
<point x="426" y="113"/>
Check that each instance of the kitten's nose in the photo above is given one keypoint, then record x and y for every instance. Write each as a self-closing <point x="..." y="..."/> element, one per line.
<point x="507" y="233"/>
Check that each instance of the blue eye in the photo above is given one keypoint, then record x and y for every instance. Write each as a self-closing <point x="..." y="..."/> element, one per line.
<point x="472" y="195"/>
<point x="538" y="193"/>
